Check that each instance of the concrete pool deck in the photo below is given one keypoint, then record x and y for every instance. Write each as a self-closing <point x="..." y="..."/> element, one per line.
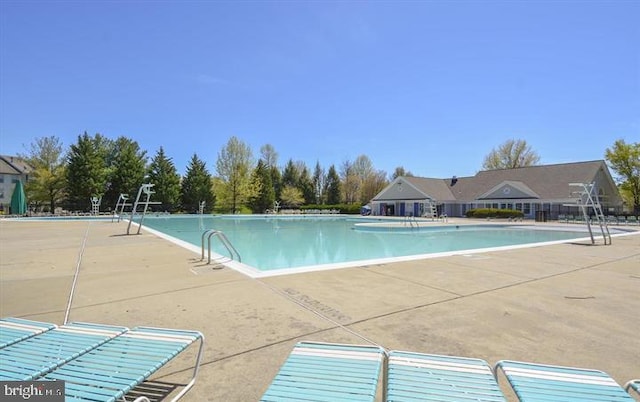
<point x="568" y="304"/>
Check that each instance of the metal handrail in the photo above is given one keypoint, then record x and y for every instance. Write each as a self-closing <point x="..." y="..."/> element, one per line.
<point x="410" y="219"/>
<point x="223" y="239"/>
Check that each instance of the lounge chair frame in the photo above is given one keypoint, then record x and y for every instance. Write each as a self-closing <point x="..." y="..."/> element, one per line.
<point x="108" y="357"/>
<point x="37" y="355"/>
<point x="314" y="370"/>
<point x="14" y="330"/>
<point x="433" y="377"/>
<point x="633" y="385"/>
<point x="559" y="382"/>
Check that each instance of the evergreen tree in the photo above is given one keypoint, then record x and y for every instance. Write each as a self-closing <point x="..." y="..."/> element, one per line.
<point x="276" y="181"/>
<point x="269" y="157"/>
<point x="290" y="174"/>
<point x="305" y="185"/>
<point x="162" y="173"/>
<point x="86" y="173"/>
<point x="126" y="171"/>
<point x="319" y="179"/>
<point x="266" y="196"/>
<point x="333" y="186"/>
<point x="197" y="187"/>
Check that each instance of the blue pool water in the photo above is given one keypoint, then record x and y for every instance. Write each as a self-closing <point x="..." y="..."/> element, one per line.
<point x="272" y="243"/>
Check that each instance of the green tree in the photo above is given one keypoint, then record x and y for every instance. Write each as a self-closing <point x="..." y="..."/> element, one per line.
<point x="400" y="171"/>
<point x="290" y="174"/>
<point x="624" y="159"/>
<point x="333" y="186"/>
<point x="234" y="166"/>
<point x="305" y="185"/>
<point x="510" y="155"/>
<point x="86" y="173"/>
<point x="276" y="181"/>
<point x="47" y="182"/>
<point x="126" y="170"/>
<point x="291" y="196"/>
<point x="319" y="180"/>
<point x="197" y="187"/>
<point x="163" y="173"/>
<point x="266" y="196"/>
<point x="269" y="156"/>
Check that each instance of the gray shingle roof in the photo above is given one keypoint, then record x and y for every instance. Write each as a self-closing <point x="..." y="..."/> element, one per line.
<point x="549" y="182"/>
<point x="13" y="165"/>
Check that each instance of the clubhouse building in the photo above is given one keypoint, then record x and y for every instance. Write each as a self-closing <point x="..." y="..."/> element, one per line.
<point x="534" y="190"/>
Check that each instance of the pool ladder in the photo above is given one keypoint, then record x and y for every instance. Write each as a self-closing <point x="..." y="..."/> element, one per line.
<point x="225" y="242"/>
<point x="411" y="220"/>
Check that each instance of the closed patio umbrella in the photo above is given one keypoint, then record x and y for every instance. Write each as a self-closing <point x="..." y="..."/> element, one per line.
<point x="18" y="200"/>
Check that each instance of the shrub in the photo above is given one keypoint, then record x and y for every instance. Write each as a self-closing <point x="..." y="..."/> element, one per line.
<point x="493" y="213"/>
<point x="351" y="209"/>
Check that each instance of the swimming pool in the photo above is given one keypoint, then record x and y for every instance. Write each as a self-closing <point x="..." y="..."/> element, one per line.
<point x="270" y="244"/>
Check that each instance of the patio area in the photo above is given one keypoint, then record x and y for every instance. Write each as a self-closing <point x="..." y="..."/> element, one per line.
<point x="568" y="304"/>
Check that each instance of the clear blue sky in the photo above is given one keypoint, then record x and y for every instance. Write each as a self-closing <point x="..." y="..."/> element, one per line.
<point x="431" y="86"/>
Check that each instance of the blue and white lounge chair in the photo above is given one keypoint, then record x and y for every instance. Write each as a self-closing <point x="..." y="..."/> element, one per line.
<point x="328" y="372"/>
<point x="633" y="385"/>
<point x="538" y="382"/>
<point x="37" y="355"/>
<point x="424" y="377"/>
<point x="111" y="370"/>
<point x="14" y="330"/>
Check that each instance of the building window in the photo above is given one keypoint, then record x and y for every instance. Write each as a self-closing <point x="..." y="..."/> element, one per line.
<point x="1" y="178"/>
<point x="519" y="206"/>
<point x="527" y="208"/>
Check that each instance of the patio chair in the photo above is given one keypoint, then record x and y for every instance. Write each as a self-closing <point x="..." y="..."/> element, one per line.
<point x="14" y="330"/>
<point x="111" y="370"/>
<point x="633" y="385"/>
<point x="328" y="372"/>
<point x="535" y="382"/>
<point x="39" y="354"/>
<point x="424" y="377"/>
